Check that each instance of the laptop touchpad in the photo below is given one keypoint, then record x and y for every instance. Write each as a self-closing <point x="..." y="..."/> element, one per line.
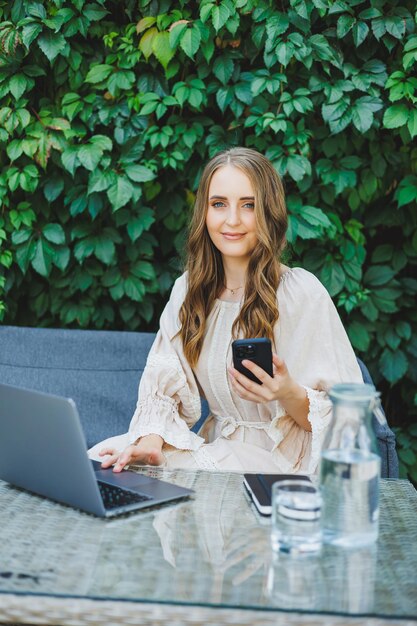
<point x="127" y="479"/>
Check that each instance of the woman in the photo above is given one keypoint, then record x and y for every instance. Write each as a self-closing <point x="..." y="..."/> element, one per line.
<point x="236" y="286"/>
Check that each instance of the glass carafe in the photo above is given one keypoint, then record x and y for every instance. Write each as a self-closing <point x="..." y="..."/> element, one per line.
<point x="350" y="468"/>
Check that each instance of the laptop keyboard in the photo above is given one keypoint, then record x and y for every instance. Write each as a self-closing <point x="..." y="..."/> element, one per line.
<point x="115" y="497"/>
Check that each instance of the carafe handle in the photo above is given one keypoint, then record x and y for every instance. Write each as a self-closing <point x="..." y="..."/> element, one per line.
<point x="376" y="408"/>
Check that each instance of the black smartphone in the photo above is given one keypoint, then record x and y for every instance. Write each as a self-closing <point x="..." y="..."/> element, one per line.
<point x="259" y="487"/>
<point x="257" y="350"/>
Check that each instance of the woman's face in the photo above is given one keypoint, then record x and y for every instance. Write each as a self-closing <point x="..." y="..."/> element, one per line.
<point x="230" y="218"/>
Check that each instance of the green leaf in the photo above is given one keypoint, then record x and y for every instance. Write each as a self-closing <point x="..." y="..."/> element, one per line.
<point x="362" y="118"/>
<point x="351" y="162"/>
<point x="83" y="249"/>
<point x="36" y="9"/>
<point x="412" y="123"/>
<point x="54" y="233"/>
<point x="408" y="457"/>
<point x="363" y="112"/>
<point x="134" y="288"/>
<point x="369" y="310"/>
<point x="276" y="25"/>
<point x="138" y="225"/>
<point x="219" y="16"/>
<point x="393" y="364"/>
<point x="224" y="97"/>
<point x="24" y="255"/>
<point x="334" y="110"/>
<point x="144" y="24"/>
<point x="53" y="188"/>
<point x="243" y="92"/>
<point x="23" y="116"/>
<point x="94" y="12"/>
<point x="146" y="42"/>
<point x="378" y="275"/>
<point x="176" y="33"/>
<point x="284" y="52"/>
<point x="143" y="269"/>
<point x="102" y="142"/>
<point x="70" y="159"/>
<point x="190" y="41"/>
<point x="99" y="73"/>
<point x="205" y="11"/>
<point x="344" y="25"/>
<point x="105" y="250"/>
<point x="315" y="216"/>
<point x="162" y="48"/>
<point x="298" y="167"/>
<point x="360" y="32"/>
<point x="139" y="173"/>
<point x="30" y="32"/>
<point x="207" y="49"/>
<point x="42" y="261"/>
<point x="367" y="14"/>
<point x="406" y="191"/>
<point x="14" y="149"/>
<point x="61" y="258"/>
<point x="223" y="69"/>
<point x="89" y="156"/>
<point x="79" y="204"/>
<point x="359" y="336"/>
<point x="392" y="339"/>
<point x="395" y="26"/>
<point x="396" y="116"/>
<point x="322" y="48"/>
<point x="18" y="85"/>
<point x="120" y="192"/>
<point x="121" y="79"/>
<point x="100" y="180"/>
<point x="21" y="236"/>
<point x="404" y="330"/>
<point x="29" y="178"/>
<point x="51" y="44"/>
<point x="378" y="27"/>
<point x="382" y="253"/>
<point x="333" y="277"/>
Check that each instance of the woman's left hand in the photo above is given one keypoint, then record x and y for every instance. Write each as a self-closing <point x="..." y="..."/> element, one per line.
<point x="276" y="387"/>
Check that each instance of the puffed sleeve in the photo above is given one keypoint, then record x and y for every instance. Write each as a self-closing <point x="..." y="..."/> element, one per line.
<point x="312" y="341"/>
<point x="168" y="398"/>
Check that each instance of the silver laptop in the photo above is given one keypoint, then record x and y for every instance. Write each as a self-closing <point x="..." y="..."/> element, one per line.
<point x="43" y="450"/>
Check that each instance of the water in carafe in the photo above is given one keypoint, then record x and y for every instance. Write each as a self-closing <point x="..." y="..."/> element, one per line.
<point x="350" y="468"/>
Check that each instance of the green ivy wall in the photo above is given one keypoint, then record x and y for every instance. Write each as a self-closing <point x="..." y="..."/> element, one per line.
<point x="108" y="110"/>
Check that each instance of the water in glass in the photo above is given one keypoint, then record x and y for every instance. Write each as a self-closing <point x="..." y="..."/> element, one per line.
<point x="295" y="527"/>
<point x="350" y="469"/>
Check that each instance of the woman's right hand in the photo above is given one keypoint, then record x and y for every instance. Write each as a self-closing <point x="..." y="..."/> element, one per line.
<point x="147" y="451"/>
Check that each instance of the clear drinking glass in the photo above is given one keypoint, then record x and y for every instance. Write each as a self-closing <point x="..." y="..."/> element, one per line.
<point x="295" y="524"/>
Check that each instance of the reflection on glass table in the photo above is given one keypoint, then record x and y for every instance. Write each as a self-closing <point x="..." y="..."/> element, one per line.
<point x="342" y="581"/>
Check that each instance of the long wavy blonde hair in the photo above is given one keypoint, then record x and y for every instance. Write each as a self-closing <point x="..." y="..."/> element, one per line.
<point x="206" y="279"/>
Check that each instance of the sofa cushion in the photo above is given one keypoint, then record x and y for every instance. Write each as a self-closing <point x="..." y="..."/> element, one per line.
<point x="99" y="370"/>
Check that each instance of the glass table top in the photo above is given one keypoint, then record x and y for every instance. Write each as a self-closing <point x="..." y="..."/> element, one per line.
<point x="210" y="550"/>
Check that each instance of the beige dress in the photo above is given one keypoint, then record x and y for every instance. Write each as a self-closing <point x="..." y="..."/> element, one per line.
<point x="241" y="435"/>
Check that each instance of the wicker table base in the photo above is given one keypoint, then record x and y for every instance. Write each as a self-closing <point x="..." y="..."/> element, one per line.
<point x="78" y="612"/>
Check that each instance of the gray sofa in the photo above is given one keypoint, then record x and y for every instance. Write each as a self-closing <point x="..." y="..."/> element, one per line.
<point x="100" y="370"/>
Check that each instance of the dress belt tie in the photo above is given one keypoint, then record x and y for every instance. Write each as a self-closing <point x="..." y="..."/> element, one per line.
<point x="229" y="424"/>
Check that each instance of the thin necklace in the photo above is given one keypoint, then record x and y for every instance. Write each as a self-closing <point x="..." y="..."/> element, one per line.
<point x="233" y="291"/>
